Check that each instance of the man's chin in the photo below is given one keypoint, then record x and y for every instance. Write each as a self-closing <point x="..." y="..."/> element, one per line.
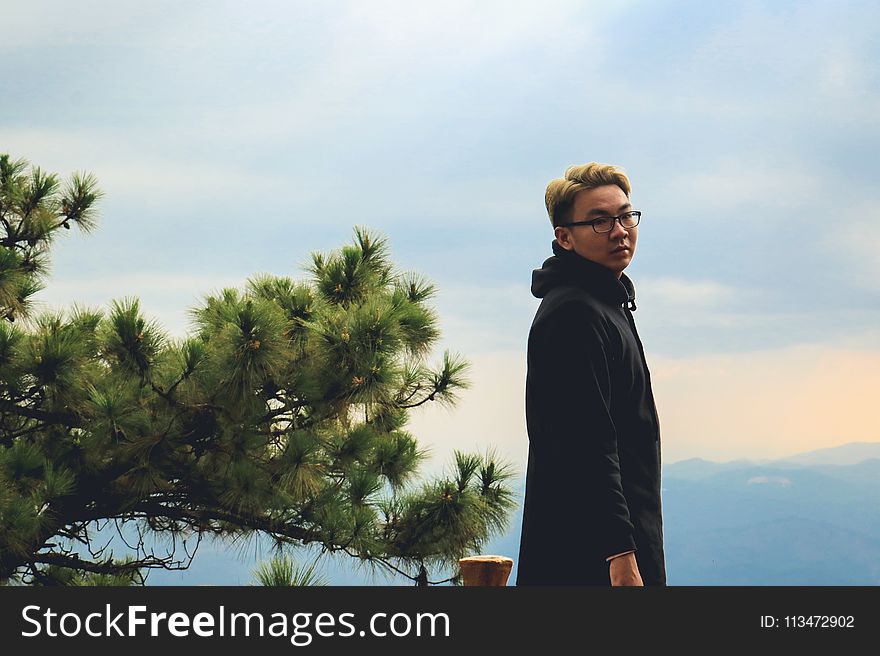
<point x="616" y="264"/>
<point x="617" y="267"/>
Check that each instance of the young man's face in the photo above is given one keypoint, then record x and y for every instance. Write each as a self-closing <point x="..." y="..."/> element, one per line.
<point x="604" y="249"/>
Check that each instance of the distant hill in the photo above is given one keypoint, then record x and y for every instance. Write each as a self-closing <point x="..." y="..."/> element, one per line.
<point x="697" y="468"/>
<point x="845" y="454"/>
<point x="764" y="525"/>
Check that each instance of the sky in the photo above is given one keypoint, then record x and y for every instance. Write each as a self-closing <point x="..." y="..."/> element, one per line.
<point x="235" y="138"/>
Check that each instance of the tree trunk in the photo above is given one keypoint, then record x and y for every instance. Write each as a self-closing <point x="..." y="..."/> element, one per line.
<point x="485" y="570"/>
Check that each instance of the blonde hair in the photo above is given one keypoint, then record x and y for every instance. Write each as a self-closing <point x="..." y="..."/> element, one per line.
<point x="560" y="194"/>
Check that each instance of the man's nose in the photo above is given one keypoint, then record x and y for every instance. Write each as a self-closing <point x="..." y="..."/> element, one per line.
<point x="618" y="231"/>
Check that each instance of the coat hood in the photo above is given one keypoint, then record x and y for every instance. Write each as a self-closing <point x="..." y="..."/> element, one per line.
<point x="570" y="269"/>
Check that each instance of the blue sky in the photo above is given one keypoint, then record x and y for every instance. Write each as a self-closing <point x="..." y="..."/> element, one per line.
<point x="235" y="138"/>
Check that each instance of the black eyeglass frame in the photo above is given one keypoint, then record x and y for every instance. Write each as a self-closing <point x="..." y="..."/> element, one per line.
<point x="593" y="222"/>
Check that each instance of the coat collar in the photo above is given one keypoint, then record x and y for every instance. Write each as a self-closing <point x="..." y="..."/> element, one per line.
<point x="591" y="276"/>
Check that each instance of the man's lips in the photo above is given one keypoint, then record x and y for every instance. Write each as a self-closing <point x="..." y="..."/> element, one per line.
<point x="620" y="248"/>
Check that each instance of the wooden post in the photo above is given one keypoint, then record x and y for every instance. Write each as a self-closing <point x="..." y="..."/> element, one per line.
<point x="485" y="570"/>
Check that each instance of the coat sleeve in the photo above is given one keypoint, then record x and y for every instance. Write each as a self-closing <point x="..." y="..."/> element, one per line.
<point x="570" y="365"/>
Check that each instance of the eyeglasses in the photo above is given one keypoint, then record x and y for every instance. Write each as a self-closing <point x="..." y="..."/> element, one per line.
<point x="606" y="223"/>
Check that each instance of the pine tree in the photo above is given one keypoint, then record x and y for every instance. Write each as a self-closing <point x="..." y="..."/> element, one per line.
<point x="283" y="414"/>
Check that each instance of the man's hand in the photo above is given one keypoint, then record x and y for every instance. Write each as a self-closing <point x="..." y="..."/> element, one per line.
<point x="624" y="570"/>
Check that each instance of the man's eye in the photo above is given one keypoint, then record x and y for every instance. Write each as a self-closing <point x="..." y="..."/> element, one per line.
<point x="602" y="221"/>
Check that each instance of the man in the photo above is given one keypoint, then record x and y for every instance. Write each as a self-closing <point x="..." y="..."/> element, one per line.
<point x="592" y="510"/>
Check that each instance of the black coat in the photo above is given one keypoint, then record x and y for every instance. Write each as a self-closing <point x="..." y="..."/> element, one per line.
<point x="593" y="477"/>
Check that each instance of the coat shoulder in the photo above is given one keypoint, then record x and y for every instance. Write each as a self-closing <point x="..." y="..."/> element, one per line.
<point x="562" y="305"/>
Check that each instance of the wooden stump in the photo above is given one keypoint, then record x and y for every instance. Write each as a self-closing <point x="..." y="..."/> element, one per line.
<point x="485" y="570"/>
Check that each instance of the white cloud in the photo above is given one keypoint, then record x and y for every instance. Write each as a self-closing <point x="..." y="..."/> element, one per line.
<point x="725" y="186"/>
<point x="854" y="241"/>
<point x="779" y="481"/>
<point x="811" y="53"/>
<point x="769" y="72"/>
<point x="148" y="283"/>
<point x="125" y="169"/>
<point x="670" y="308"/>
<point x="668" y="291"/>
<point x="40" y="24"/>
<point x="378" y="63"/>
<point x="481" y="318"/>
<point x="165" y="298"/>
<point x="459" y="32"/>
<point x="843" y="71"/>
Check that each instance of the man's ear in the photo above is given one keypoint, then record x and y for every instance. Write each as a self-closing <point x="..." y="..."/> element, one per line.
<point x="563" y="238"/>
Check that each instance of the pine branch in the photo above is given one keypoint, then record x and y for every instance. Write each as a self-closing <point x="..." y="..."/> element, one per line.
<point x="63" y="418"/>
